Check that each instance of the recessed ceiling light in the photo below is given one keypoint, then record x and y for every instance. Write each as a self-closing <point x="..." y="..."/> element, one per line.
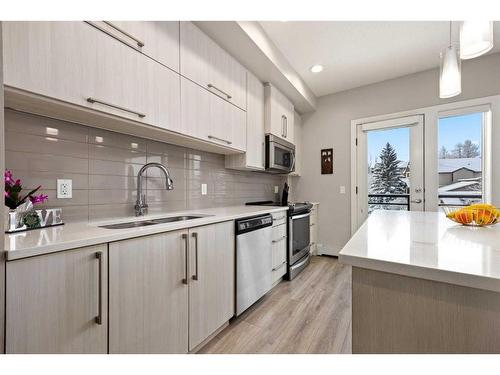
<point x="316" y="68"/>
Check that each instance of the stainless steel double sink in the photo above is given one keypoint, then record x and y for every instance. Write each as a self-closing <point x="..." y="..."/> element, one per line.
<point x="143" y="223"/>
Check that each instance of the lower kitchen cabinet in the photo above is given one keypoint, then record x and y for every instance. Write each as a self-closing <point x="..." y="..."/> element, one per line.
<point x="148" y="294"/>
<point x="211" y="284"/>
<point x="169" y="292"/>
<point x="57" y="303"/>
<point x="279" y="247"/>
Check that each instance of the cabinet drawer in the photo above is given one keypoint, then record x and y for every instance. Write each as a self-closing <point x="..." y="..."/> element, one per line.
<point x="156" y="39"/>
<point x="279" y="253"/>
<point x="278" y="273"/>
<point x="279" y="218"/>
<point x="206" y="63"/>
<point x="279" y="233"/>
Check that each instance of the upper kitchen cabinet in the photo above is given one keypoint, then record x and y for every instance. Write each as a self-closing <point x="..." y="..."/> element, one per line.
<point x="207" y="117"/>
<point x="77" y="63"/>
<point x="207" y="64"/>
<point x="254" y="158"/>
<point x="279" y="114"/>
<point x="156" y="39"/>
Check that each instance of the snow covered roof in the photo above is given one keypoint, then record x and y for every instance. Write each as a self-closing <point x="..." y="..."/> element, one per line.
<point x="403" y="164"/>
<point x="452" y="165"/>
<point x="458" y="185"/>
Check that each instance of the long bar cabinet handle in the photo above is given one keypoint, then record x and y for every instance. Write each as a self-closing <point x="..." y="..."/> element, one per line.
<point x="186" y="250"/>
<point x="98" y="318"/>
<point x="139" y="42"/>
<point x="211" y="86"/>
<point x="99" y="101"/>
<point x="195" y="236"/>
<point x="220" y="139"/>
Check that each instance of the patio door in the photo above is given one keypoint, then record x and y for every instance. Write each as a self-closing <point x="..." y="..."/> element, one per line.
<point x="389" y="166"/>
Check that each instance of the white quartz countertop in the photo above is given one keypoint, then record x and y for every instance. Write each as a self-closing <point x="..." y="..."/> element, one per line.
<point x="427" y="245"/>
<point x="75" y="235"/>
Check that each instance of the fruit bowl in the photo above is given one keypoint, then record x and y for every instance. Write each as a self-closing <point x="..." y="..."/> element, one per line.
<point x="476" y="215"/>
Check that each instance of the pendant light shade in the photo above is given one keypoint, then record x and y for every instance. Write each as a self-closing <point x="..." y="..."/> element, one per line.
<point x="476" y="38"/>
<point x="450" y="75"/>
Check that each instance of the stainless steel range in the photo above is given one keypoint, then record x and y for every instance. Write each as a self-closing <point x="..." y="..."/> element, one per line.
<point x="299" y="241"/>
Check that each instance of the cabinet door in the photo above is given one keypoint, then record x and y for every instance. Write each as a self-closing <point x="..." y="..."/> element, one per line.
<point x="208" y="117"/>
<point x="51" y="58"/>
<point x="74" y="61"/>
<point x="255" y="151"/>
<point x="279" y="114"/>
<point x="148" y="301"/>
<point x="156" y="39"/>
<point x="53" y="302"/>
<point x="211" y="289"/>
<point x="207" y="64"/>
<point x="227" y="124"/>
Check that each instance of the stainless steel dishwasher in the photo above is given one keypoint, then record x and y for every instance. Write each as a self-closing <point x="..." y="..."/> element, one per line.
<point x="253" y="260"/>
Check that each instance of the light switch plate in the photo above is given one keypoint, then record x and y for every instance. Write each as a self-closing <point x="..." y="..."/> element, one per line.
<point x="342" y="189"/>
<point x="64" y="189"/>
<point x="203" y="189"/>
<point x="276" y="189"/>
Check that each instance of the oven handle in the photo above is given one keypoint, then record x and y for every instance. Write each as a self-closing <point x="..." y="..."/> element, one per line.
<point x="297" y="265"/>
<point x="300" y="216"/>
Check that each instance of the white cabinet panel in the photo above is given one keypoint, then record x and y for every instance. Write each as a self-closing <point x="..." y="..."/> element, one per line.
<point x="211" y="280"/>
<point x="74" y="61"/>
<point x="148" y="302"/>
<point x="206" y="116"/>
<point x="279" y="114"/>
<point x="52" y="303"/>
<point x="156" y="39"/>
<point x="254" y="158"/>
<point x="207" y="64"/>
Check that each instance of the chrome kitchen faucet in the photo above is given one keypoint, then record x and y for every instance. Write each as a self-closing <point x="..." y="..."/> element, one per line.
<point x="140" y="204"/>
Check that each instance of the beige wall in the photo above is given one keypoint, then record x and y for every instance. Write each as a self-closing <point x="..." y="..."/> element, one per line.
<point x="104" y="165"/>
<point x="329" y="126"/>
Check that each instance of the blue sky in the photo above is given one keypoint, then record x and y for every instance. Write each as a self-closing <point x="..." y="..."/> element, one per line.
<point x="451" y="131"/>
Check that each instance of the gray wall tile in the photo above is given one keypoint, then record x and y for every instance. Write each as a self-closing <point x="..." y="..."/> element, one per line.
<point x="104" y="165"/>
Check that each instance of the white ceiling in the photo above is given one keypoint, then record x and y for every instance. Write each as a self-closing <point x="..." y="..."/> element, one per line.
<point x="358" y="53"/>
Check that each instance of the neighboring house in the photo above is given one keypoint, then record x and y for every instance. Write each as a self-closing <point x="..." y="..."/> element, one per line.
<point x="404" y="167"/>
<point x="454" y="170"/>
<point x="460" y="181"/>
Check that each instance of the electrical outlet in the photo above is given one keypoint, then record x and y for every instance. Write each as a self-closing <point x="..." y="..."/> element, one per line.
<point x="276" y="189"/>
<point x="342" y="189"/>
<point x="203" y="189"/>
<point x="64" y="189"/>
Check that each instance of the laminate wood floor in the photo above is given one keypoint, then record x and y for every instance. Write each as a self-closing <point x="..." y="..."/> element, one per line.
<point x="311" y="314"/>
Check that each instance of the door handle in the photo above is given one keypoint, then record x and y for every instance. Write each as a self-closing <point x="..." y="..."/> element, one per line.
<point x="212" y="86"/>
<point x="98" y="318"/>
<point x="195" y="236"/>
<point x="139" y="42"/>
<point x="286" y="127"/>
<point x="99" y="101"/>
<point x="186" y="250"/>
<point x="416" y="200"/>
<point x="283" y="126"/>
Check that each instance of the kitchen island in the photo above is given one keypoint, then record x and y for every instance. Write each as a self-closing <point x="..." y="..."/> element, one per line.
<point x="423" y="284"/>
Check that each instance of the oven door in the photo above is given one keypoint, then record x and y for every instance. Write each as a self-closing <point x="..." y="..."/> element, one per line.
<point x="280" y="157"/>
<point x="299" y="241"/>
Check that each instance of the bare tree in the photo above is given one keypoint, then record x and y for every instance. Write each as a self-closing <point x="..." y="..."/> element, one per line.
<point x="444" y="153"/>
<point x="470" y="150"/>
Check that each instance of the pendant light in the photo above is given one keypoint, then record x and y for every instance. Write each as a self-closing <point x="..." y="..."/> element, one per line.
<point x="476" y="38"/>
<point x="450" y="76"/>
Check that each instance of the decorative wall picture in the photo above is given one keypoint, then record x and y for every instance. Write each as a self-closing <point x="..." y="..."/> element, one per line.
<point x="327" y="161"/>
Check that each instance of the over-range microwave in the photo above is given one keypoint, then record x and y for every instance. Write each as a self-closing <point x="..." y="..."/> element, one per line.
<point x="280" y="155"/>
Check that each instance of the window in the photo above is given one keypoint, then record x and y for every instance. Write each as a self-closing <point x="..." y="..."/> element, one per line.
<point x="461" y="164"/>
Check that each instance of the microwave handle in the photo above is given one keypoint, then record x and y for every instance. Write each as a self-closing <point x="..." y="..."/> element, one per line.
<point x="283" y="125"/>
<point x="292" y="154"/>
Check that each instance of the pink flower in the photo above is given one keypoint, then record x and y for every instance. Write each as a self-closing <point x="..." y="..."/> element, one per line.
<point x="6" y="194"/>
<point x="39" y="198"/>
<point x="8" y="178"/>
